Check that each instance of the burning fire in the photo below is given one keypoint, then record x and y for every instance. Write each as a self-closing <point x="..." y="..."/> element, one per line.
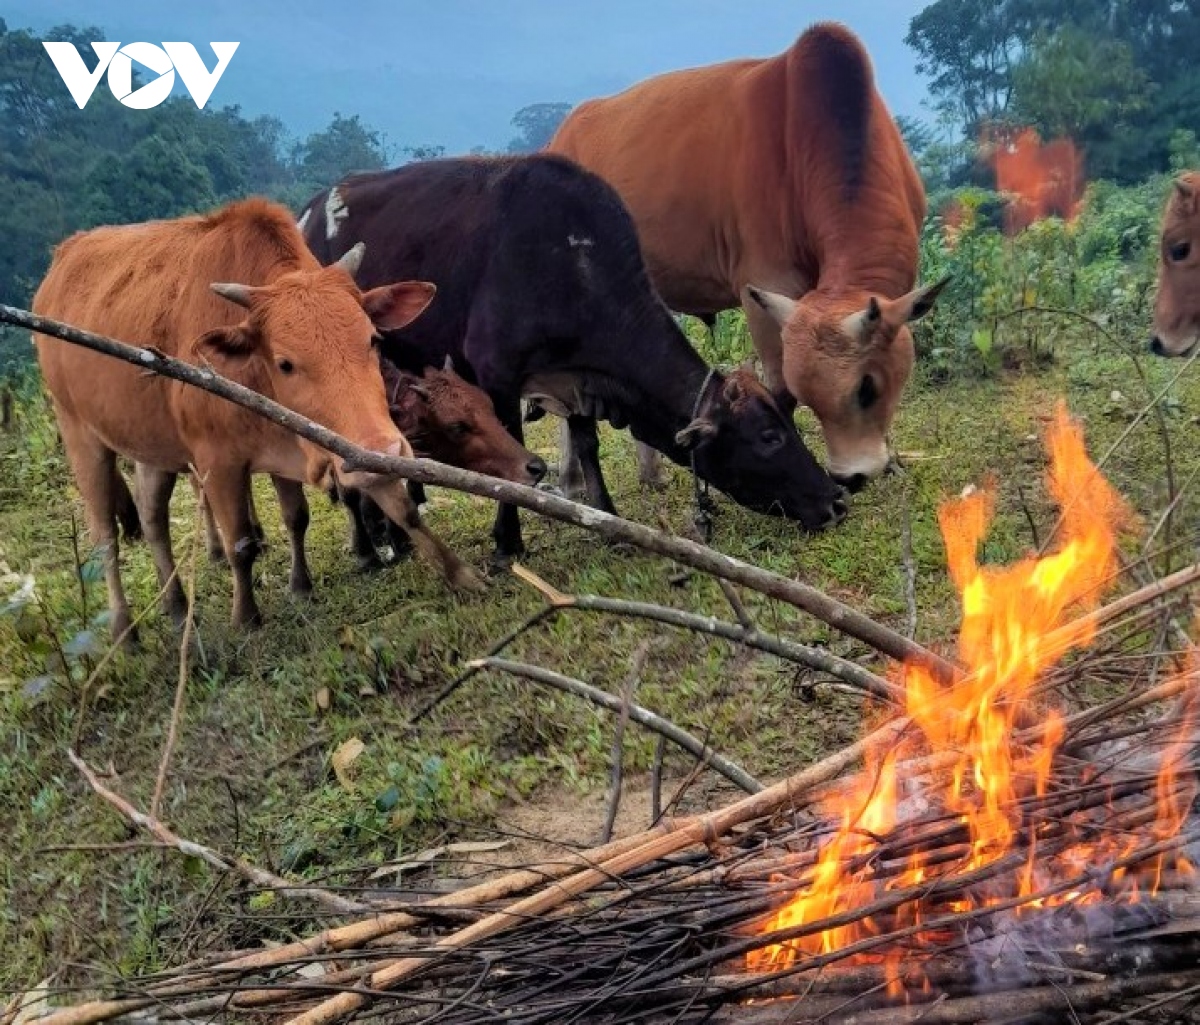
<point x="1044" y="179"/>
<point x="1016" y="624"/>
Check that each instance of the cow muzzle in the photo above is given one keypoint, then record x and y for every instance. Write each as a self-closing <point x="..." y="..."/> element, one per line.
<point x="352" y="476"/>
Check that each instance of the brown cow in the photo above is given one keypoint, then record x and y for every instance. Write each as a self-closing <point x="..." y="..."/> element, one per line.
<point x="289" y="328"/>
<point x="1177" y="308"/>
<point x="760" y="181"/>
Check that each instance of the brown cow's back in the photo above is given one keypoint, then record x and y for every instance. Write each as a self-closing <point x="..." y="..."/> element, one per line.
<point x="733" y="169"/>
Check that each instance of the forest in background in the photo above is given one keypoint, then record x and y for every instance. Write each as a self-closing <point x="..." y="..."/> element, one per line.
<point x="1117" y="77"/>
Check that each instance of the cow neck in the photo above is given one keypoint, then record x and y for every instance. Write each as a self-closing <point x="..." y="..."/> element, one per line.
<point x="668" y="409"/>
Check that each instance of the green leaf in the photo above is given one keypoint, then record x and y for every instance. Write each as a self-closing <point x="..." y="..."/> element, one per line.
<point x="982" y="339"/>
<point x="388" y="800"/>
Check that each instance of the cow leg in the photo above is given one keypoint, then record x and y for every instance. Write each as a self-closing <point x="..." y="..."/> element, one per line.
<point x="650" y="468"/>
<point x="585" y="442"/>
<point x="294" y="506"/>
<point x="361" y="544"/>
<point x="227" y="489"/>
<point x="212" y="537"/>
<point x="127" y="510"/>
<point x="155" y="488"/>
<point x="570" y="471"/>
<point x="393" y="499"/>
<point x="768" y="342"/>
<point x="506" y="531"/>
<point x="95" y="468"/>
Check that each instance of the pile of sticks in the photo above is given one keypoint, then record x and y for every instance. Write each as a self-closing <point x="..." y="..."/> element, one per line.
<point x="656" y="926"/>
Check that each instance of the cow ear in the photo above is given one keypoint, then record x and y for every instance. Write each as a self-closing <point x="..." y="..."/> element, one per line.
<point x="391" y="307"/>
<point x="696" y="433"/>
<point x="917" y="303"/>
<point x="226" y="344"/>
<point x="780" y="307"/>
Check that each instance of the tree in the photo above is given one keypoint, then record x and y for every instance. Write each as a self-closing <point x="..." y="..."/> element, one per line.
<point x="537" y="124"/>
<point x="154" y="179"/>
<point x="968" y="48"/>
<point x="326" y="157"/>
<point x="1082" y="87"/>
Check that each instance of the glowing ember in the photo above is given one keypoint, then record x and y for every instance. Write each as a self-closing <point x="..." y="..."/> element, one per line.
<point x="1017" y="622"/>
<point x="1044" y="179"/>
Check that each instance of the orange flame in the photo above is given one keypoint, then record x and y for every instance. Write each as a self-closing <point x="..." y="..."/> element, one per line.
<point x="1043" y="179"/>
<point x="1016" y="624"/>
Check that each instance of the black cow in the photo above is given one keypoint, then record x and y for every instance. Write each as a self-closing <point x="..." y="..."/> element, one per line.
<point x="542" y="292"/>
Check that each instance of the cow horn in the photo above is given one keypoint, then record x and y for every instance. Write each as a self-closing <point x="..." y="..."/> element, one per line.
<point x="353" y="258"/>
<point x="780" y="307"/>
<point x="243" y="295"/>
<point x="449" y="364"/>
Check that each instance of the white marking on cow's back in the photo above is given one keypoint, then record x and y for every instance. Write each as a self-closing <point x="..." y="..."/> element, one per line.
<point x="303" y="222"/>
<point x="336" y="211"/>
<point x="577" y="241"/>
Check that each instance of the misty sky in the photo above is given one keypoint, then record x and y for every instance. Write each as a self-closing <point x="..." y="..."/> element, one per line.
<point x="453" y="72"/>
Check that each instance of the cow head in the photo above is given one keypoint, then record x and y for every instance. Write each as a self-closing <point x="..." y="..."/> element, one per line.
<point x="453" y="421"/>
<point x="848" y="359"/>
<point x="1177" y="308"/>
<point x="308" y="343"/>
<point x="743" y="444"/>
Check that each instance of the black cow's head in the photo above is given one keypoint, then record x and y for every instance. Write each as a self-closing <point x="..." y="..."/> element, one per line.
<point x="743" y="445"/>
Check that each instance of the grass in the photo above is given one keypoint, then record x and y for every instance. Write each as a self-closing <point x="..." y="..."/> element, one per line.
<point x="252" y="771"/>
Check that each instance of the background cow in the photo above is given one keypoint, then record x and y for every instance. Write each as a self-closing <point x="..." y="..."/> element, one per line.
<point x="788" y="175"/>
<point x="285" y="326"/>
<point x="542" y="290"/>
<point x="1177" y="308"/>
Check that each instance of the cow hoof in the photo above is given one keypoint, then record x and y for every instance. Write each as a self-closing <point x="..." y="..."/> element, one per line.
<point x="248" y="620"/>
<point x="500" y="561"/>
<point x="368" y="563"/>
<point x="302" y="587"/>
<point x="467" y="578"/>
<point x="216" y="555"/>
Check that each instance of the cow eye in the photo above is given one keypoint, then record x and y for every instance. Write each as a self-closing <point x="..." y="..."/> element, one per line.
<point x="772" y="437"/>
<point x="286" y="366"/>
<point x="868" y="393"/>
<point x="459" y="429"/>
<point x="1180" y="251"/>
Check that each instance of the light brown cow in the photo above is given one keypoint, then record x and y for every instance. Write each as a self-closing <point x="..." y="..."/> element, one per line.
<point x="764" y="181"/>
<point x="283" y="325"/>
<point x="1177" y="308"/>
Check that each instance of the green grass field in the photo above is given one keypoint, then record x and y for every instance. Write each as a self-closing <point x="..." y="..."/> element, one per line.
<point x="252" y="773"/>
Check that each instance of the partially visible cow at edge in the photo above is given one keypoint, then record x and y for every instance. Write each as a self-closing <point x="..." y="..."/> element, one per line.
<point x="239" y="289"/>
<point x="783" y="185"/>
<point x="542" y="292"/>
<point x="1177" y="307"/>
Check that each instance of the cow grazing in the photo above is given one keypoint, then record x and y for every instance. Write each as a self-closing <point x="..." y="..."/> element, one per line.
<point x="237" y="289"/>
<point x="781" y="184"/>
<point x="1177" y="308"/>
<point x="542" y="291"/>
